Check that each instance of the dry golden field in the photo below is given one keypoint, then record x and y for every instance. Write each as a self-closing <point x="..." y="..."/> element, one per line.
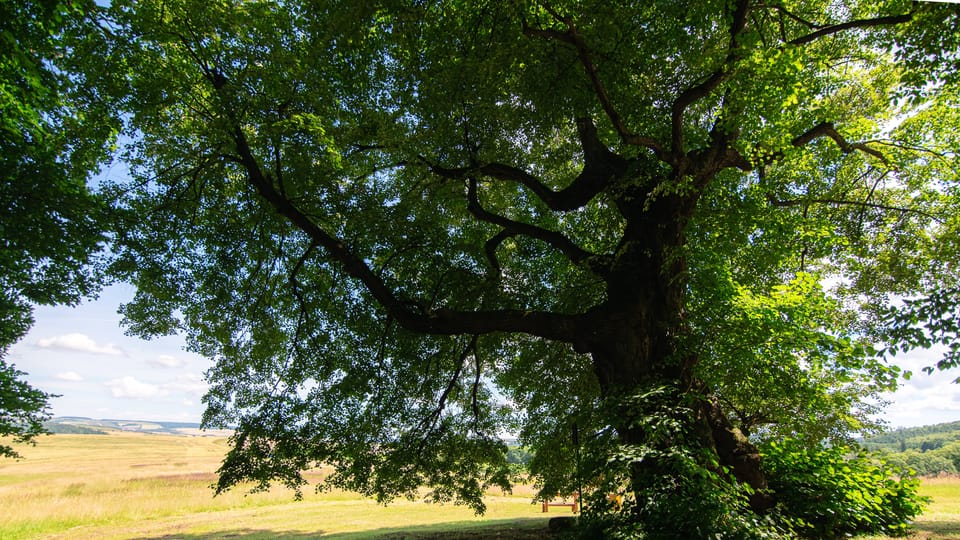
<point x="134" y="485"/>
<point x="148" y="486"/>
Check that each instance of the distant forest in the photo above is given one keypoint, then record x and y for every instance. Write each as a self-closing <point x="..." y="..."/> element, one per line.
<point x="928" y="450"/>
<point x="89" y="426"/>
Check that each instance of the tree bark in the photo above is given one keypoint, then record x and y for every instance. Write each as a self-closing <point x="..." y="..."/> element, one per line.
<point x="635" y="335"/>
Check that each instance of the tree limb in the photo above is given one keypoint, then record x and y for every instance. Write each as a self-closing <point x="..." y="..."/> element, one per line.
<point x="573" y="252"/>
<point x="827" y="129"/>
<point x="424" y="319"/>
<point x="861" y="23"/>
<point x="822" y="129"/>
<point x="600" y="167"/>
<point x="490" y="248"/>
<point x="695" y="93"/>
<point x="573" y="37"/>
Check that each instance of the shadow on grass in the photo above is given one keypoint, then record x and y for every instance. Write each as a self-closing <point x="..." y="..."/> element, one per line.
<point x="939" y="529"/>
<point x="507" y="529"/>
<point x="244" y="534"/>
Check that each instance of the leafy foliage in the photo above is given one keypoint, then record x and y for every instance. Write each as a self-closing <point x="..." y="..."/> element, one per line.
<point x="666" y="481"/>
<point x="51" y="224"/>
<point x="23" y="409"/>
<point x="922" y="323"/>
<point x="832" y="492"/>
<point x="772" y="355"/>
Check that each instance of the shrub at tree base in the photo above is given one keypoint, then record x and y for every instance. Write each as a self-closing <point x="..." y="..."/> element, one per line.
<point x="678" y="489"/>
<point x="835" y="491"/>
<point x="681" y="491"/>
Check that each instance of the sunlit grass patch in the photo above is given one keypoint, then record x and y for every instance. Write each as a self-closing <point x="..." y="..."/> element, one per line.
<point x="129" y="485"/>
<point x="941" y="519"/>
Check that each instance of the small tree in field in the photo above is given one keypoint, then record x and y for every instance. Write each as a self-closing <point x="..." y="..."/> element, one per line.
<point x="404" y="228"/>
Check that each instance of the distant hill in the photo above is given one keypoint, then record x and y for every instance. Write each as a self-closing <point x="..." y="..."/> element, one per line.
<point x="921" y="439"/>
<point x="91" y="426"/>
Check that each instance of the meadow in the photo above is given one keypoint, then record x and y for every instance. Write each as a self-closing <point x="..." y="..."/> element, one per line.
<point x="136" y="485"/>
<point x="149" y="486"/>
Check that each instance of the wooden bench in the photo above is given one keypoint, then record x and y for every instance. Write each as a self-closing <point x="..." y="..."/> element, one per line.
<point x="574" y="506"/>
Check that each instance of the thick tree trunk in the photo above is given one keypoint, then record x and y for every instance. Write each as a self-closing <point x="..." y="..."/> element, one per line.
<point x="635" y="338"/>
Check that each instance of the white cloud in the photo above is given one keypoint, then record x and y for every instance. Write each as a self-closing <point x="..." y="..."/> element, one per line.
<point x="68" y="376"/>
<point x="190" y="384"/>
<point x="79" y="343"/>
<point x="129" y="387"/>
<point x="923" y="400"/>
<point x="167" y="361"/>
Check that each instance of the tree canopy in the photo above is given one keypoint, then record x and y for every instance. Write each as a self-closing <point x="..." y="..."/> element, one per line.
<point x="52" y="225"/>
<point x="403" y="229"/>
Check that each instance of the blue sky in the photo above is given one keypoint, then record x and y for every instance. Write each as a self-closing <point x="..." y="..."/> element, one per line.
<point x="83" y="354"/>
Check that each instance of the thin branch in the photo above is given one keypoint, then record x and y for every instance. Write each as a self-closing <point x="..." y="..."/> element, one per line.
<point x="573" y="37"/>
<point x="940" y="156"/>
<point x="822" y="129"/>
<point x="476" y="385"/>
<point x="381" y="354"/>
<point x="827" y="129"/>
<point x="295" y="287"/>
<point x="873" y="189"/>
<point x="797" y="18"/>
<point x="428" y="424"/>
<point x="849" y="25"/>
<point x="772" y="199"/>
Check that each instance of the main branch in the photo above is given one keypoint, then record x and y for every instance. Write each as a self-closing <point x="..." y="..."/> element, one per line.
<point x="573" y="252"/>
<point x="849" y="25"/>
<point x="695" y="93"/>
<point x="417" y="317"/>
<point x="573" y="37"/>
<point x="601" y="166"/>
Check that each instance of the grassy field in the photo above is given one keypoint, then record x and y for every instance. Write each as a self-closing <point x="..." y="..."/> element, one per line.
<point x="132" y="485"/>
<point x="146" y="486"/>
<point x="942" y="518"/>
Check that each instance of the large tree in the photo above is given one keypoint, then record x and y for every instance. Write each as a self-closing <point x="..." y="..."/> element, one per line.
<point x="403" y="229"/>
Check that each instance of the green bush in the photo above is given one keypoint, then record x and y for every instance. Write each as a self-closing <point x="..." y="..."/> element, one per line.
<point x="673" y="487"/>
<point x="829" y="492"/>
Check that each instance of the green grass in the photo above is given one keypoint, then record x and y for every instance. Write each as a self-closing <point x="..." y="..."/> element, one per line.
<point x="941" y="520"/>
<point x="140" y="486"/>
<point x="130" y="485"/>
